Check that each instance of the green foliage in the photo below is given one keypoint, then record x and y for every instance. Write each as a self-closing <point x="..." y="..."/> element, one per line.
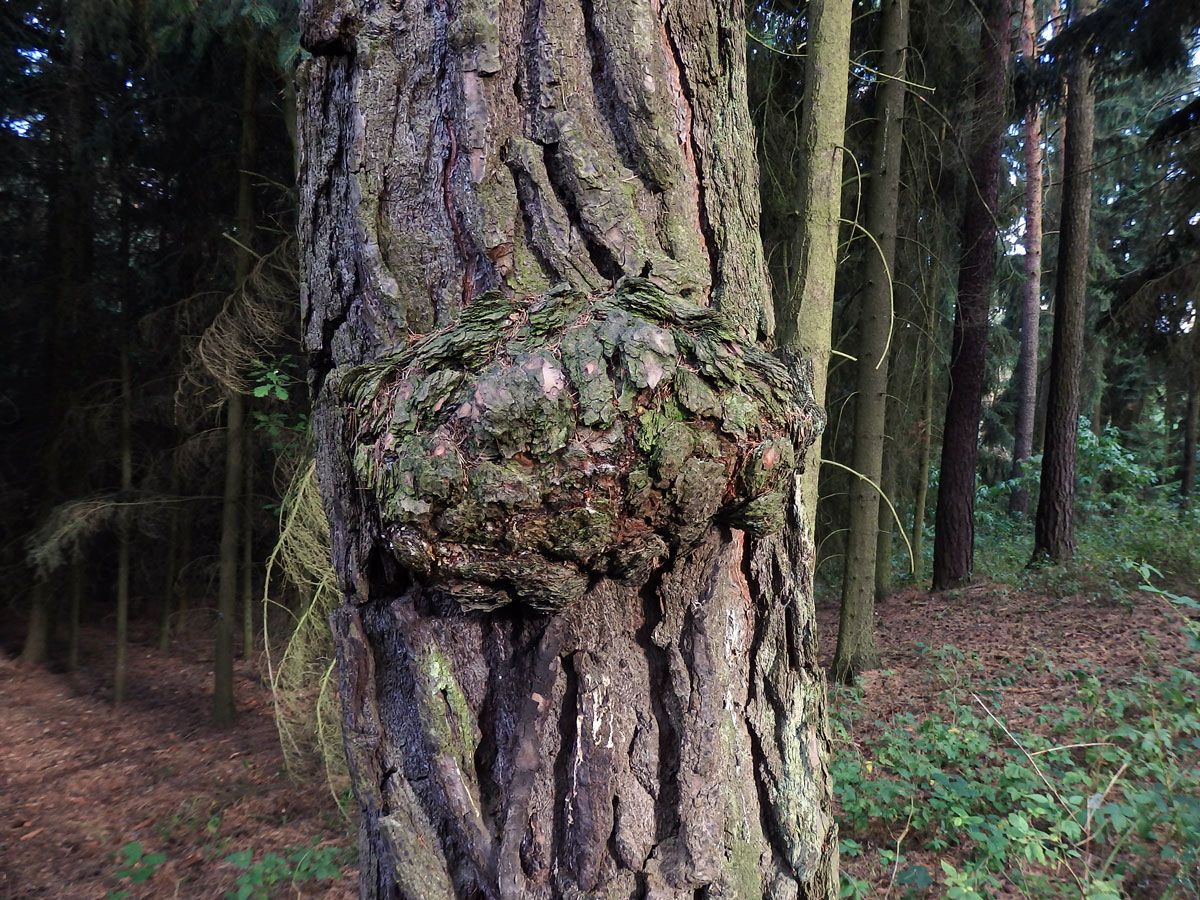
<point x="273" y="382"/>
<point x="1114" y="789"/>
<point x="1109" y="477"/>
<point x="260" y="879"/>
<point x="137" y="867"/>
<point x="1123" y="517"/>
<point x="265" y="878"/>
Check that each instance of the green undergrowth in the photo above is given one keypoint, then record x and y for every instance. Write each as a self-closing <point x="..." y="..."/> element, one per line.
<point x="1111" y="549"/>
<point x="297" y="871"/>
<point x="1098" y="799"/>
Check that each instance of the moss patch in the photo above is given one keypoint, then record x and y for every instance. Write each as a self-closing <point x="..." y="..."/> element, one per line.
<point x="545" y="441"/>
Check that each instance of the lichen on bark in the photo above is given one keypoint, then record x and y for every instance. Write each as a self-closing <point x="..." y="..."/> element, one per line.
<point x="543" y="442"/>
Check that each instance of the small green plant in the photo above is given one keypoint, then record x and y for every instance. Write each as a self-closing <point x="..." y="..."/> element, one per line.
<point x="274" y="382"/>
<point x="259" y="879"/>
<point x="137" y="867"/>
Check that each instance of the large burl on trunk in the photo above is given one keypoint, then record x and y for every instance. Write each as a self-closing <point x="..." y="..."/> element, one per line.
<point x="577" y="644"/>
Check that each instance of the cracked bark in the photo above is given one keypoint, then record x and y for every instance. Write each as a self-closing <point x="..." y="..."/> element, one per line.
<point x="663" y="738"/>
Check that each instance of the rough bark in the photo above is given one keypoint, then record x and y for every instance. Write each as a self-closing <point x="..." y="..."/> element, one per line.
<point x="1054" y="528"/>
<point x="954" y="534"/>
<point x="856" y="651"/>
<point x="806" y="313"/>
<point x="564" y="671"/>
<point x="1031" y="289"/>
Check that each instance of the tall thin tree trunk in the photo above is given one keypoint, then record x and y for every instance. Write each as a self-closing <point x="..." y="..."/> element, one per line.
<point x="806" y="312"/>
<point x="954" y="535"/>
<point x="124" y="525"/>
<point x="1187" y="471"/>
<point x="1191" y="419"/>
<point x="75" y="586"/>
<point x="925" y="447"/>
<point x="227" y="583"/>
<point x="171" y="565"/>
<point x="883" y="543"/>
<point x="70" y="230"/>
<point x="1054" y="529"/>
<point x="856" y="651"/>
<point x="125" y="514"/>
<point x="182" y="597"/>
<point x="37" y="628"/>
<point x="1031" y="291"/>
<point x="247" y="569"/>
<point x="231" y="504"/>
<point x="517" y="726"/>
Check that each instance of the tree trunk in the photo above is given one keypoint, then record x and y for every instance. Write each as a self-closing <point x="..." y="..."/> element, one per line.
<point x="1191" y="419"/>
<point x="124" y="524"/>
<point x="71" y="234"/>
<point x="223" y="705"/>
<point x="78" y="579"/>
<point x="125" y="515"/>
<point x="1054" y="529"/>
<point x="247" y="568"/>
<point x="37" y="628"/>
<point x="564" y="671"/>
<point x="1187" y="472"/>
<point x="856" y="631"/>
<point x="235" y="412"/>
<point x="171" y="566"/>
<point x="925" y="438"/>
<point x="954" y="535"/>
<point x="806" y="314"/>
<point x="883" y="540"/>
<point x="1031" y="291"/>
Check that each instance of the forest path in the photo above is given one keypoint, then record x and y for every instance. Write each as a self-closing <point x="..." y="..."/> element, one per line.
<point x="80" y="779"/>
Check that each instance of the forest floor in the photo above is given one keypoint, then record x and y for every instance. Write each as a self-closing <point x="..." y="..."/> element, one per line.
<point x="1021" y="651"/>
<point x="80" y="779"/>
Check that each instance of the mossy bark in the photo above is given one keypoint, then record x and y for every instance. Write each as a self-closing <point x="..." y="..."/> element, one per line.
<point x="566" y="669"/>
